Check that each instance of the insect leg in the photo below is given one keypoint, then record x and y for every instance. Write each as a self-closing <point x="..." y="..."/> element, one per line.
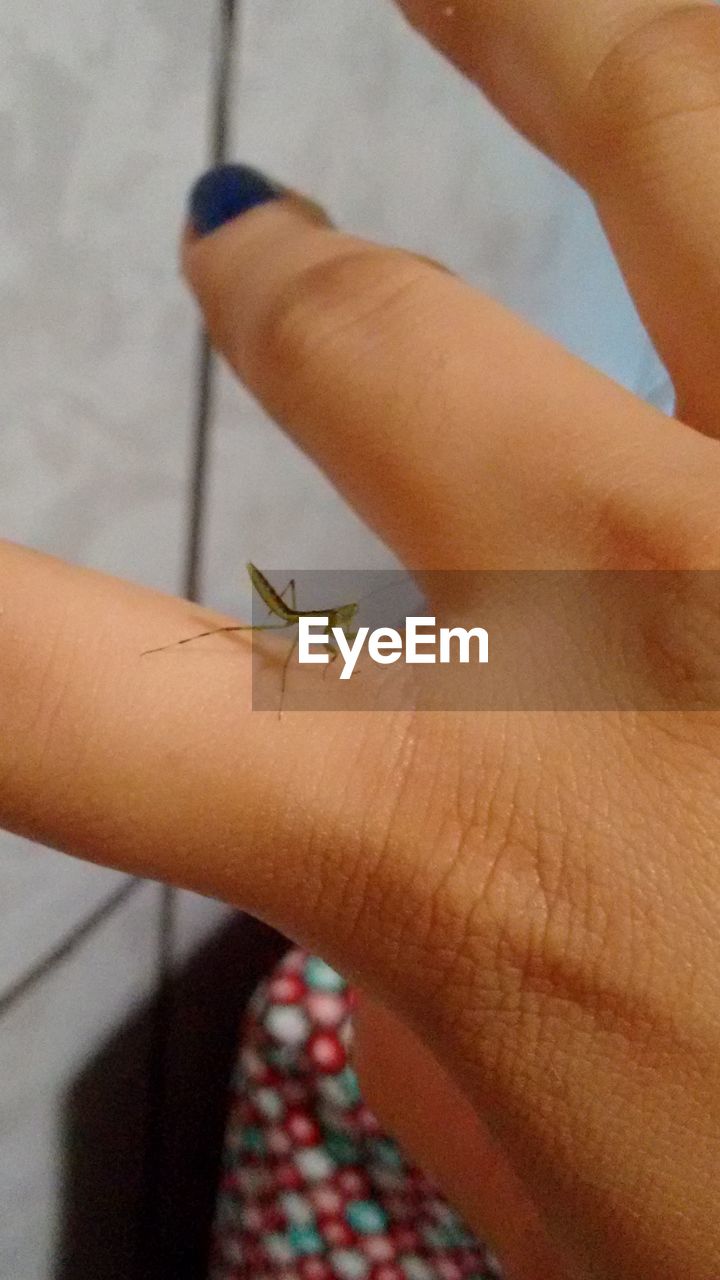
<point x="334" y="654"/>
<point x="216" y="631"/>
<point x="281" y="595"/>
<point x="286" y="664"/>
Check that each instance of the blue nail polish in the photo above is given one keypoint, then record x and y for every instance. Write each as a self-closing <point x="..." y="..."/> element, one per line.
<point x="227" y="192"/>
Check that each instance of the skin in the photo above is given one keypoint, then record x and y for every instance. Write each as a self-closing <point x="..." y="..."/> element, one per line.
<point x="529" y="901"/>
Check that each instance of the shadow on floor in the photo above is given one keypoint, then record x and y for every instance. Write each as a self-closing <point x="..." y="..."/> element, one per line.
<point x="142" y="1126"/>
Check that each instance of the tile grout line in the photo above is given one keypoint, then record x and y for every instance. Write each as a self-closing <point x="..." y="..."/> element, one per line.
<point x="69" y="944"/>
<point x="150" y="1232"/>
<point x="228" y="15"/>
<point x="227" y="20"/>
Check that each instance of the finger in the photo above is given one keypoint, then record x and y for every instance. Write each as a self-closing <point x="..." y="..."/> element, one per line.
<point x="625" y="94"/>
<point x="155" y="764"/>
<point x="464" y="437"/>
<point x="473" y="1171"/>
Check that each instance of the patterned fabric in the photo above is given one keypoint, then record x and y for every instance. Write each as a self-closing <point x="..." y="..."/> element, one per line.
<point x="312" y="1189"/>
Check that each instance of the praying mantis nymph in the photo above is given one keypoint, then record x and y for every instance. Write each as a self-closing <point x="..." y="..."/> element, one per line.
<point x="341" y="617"/>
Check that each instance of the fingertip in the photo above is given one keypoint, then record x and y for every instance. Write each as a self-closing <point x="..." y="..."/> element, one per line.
<point x="232" y="202"/>
<point x="226" y="192"/>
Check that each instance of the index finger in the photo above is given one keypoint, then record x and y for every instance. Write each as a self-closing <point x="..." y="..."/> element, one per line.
<point x="625" y="94"/>
<point x="159" y="767"/>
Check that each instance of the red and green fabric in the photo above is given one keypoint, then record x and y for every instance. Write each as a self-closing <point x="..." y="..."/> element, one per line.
<point x="312" y="1189"/>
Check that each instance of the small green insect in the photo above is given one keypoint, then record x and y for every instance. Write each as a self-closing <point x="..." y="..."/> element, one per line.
<point x="342" y="617"/>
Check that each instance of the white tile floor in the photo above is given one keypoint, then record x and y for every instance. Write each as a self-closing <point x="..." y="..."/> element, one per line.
<point x="106" y="124"/>
<point x="104" y="121"/>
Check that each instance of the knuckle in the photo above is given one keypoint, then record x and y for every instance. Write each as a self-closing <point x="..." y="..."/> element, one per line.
<point x="665" y="534"/>
<point x="670" y="542"/>
<point x="680" y="632"/>
<point x="350" y="301"/>
<point x="657" y="71"/>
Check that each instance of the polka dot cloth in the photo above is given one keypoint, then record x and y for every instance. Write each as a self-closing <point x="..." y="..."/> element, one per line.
<point x="311" y="1188"/>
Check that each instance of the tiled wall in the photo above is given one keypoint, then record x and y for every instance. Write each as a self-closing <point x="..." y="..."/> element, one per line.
<point x="107" y="112"/>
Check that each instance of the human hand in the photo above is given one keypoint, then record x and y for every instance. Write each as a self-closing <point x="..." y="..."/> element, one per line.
<point x="534" y="895"/>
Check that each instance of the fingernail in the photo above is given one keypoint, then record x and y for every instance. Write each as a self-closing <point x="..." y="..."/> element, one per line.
<point x="227" y="192"/>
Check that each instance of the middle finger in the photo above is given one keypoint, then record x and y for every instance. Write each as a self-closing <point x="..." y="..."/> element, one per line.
<point x="625" y="94"/>
<point x="466" y="438"/>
